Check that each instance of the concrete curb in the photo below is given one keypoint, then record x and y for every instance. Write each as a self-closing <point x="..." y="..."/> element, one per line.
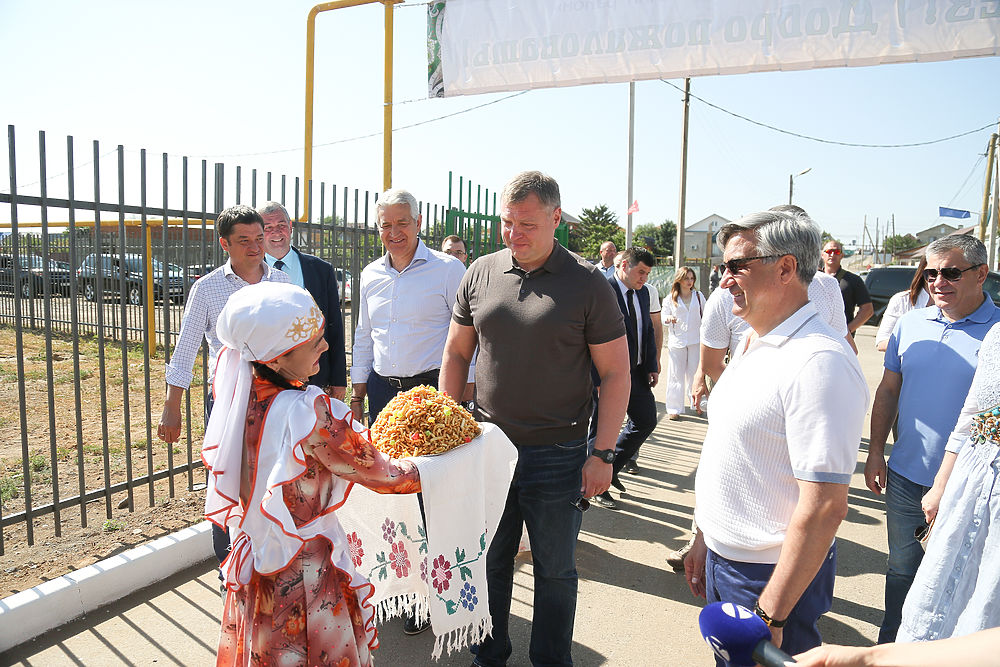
<point x="28" y="614"/>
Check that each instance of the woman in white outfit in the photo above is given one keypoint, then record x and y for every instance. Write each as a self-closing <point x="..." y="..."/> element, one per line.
<point x="682" y="319"/>
<point x="901" y="303"/>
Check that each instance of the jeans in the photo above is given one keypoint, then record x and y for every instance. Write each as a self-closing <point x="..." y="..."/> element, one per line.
<point x="546" y="483"/>
<point x="902" y="517"/>
<point x="732" y="581"/>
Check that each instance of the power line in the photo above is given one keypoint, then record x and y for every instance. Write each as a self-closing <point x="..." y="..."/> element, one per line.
<point x="829" y="141"/>
<point x="373" y="134"/>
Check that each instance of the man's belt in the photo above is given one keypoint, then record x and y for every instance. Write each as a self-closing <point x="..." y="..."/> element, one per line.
<point x="405" y="383"/>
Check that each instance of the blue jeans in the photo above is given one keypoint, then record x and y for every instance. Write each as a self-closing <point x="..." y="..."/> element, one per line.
<point x="546" y="483"/>
<point x="902" y="517"/>
<point x="732" y="581"/>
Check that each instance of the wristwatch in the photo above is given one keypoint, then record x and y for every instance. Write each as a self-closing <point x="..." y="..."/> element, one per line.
<point x="606" y="455"/>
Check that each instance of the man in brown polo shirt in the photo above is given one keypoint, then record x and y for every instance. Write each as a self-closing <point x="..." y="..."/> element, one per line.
<point x="540" y="316"/>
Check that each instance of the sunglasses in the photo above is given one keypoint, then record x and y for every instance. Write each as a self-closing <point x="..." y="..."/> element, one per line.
<point x="581" y="504"/>
<point x="736" y="265"/>
<point x="949" y="273"/>
<point x="832" y="251"/>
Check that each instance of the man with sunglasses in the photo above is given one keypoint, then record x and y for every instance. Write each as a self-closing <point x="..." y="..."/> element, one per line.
<point x="782" y="443"/>
<point x="852" y="287"/>
<point x="929" y="363"/>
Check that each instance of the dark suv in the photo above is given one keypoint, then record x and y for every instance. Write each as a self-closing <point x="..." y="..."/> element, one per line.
<point x="883" y="282"/>
<point x="32" y="278"/>
<point x="132" y="267"/>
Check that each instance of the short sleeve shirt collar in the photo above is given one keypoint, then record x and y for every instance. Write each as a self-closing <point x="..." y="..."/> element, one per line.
<point x="980" y="315"/>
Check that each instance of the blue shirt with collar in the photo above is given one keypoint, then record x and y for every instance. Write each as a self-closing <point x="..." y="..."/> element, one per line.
<point x="937" y="359"/>
<point x="293" y="267"/>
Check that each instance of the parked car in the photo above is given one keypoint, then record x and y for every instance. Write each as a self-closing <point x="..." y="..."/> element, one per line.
<point x="132" y="266"/>
<point x="884" y="281"/>
<point x="32" y="278"/>
<point x="196" y="271"/>
<point x="344" y="286"/>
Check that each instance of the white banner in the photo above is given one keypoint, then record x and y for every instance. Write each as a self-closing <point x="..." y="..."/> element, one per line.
<point x="482" y="46"/>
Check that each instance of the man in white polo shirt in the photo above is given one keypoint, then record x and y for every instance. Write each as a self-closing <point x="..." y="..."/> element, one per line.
<point x="782" y="443"/>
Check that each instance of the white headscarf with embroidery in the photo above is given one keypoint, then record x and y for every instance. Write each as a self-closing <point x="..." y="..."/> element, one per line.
<point x="258" y="323"/>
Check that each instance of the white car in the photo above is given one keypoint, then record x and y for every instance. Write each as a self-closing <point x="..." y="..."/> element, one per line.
<point x="343" y="287"/>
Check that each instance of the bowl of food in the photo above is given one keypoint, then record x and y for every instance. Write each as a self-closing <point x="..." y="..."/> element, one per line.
<point x="422" y="422"/>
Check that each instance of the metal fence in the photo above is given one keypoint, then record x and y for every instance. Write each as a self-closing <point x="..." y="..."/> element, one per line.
<point x="80" y="385"/>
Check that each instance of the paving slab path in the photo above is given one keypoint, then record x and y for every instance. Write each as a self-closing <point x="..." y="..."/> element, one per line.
<point x="632" y="609"/>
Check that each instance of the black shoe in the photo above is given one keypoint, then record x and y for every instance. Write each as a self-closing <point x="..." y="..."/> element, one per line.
<point x="631" y="468"/>
<point x="604" y="500"/>
<point x="413" y="627"/>
<point x="617" y="483"/>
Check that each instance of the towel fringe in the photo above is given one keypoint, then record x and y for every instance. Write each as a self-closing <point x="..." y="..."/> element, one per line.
<point x="398" y="605"/>
<point x="459" y="638"/>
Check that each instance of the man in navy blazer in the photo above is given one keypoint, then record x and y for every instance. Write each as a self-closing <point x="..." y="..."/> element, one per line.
<point x="628" y="283"/>
<point x="316" y="276"/>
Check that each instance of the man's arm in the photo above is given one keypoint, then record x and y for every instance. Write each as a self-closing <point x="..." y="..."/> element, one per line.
<point x="169" y="428"/>
<point x="658" y="336"/>
<point x="865" y="312"/>
<point x="179" y="373"/>
<point x="976" y="650"/>
<point x="458" y="350"/>
<point x="362" y="355"/>
<point x="865" y="308"/>
<point x="817" y="515"/>
<point x="884" y="410"/>
<point x="711" y="363"/>
<point x="611" y="361"/>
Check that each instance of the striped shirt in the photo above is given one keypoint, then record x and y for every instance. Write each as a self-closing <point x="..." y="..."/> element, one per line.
<point x="205" y="301"/>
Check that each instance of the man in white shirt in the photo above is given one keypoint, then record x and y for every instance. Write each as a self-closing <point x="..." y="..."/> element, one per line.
<point x="405" y="309"/>
<point x="782" y="443"/>
<point x="241" y="234"/>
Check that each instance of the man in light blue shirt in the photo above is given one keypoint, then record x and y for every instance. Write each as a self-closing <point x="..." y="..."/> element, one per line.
<point x="404" y="310"/>
<point x="607" y="264"/>
<point x="929" y="364"/>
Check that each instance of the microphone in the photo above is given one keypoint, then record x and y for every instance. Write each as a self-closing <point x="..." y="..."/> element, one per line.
<point x="739" y="636"/>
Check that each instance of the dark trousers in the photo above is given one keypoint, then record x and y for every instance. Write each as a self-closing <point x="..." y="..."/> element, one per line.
<point x="381" y="389"/>
<point x="542" y="494"/>
<point x="220" y="538"/>
<point x="641" y="420"/>
<point x="733" y="581"/>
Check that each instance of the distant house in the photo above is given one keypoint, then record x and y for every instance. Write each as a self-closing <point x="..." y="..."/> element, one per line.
<point x="699" y="238"/>
<point x="935" y="232"/>
<point x="571" y="221"/>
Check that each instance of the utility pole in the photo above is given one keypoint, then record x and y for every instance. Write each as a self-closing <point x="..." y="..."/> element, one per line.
<point x="990" y="158"/>
<point x="679" y="241"/>
<point x="631" y="159"/>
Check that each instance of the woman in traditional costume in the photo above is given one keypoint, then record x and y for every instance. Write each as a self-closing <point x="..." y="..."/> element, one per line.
<point x="282" y="457"/>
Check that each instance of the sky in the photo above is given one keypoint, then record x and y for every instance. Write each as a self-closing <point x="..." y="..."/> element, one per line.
<point x="224" y="81"/>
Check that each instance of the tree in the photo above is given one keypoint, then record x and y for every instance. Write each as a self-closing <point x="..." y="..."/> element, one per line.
<point x="661" y="236"/>
<point x="899" y="242"/>
<point x="597" y="225"/>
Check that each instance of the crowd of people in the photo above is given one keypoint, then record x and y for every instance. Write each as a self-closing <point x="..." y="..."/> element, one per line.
<point x="770" y="354"/>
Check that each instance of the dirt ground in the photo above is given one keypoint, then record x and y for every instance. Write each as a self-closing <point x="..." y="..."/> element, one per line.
<point x="102" y="456"/>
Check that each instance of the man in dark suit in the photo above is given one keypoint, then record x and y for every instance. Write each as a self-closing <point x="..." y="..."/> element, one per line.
<point x="315" y="276"/>
<point x="628" y="283"/>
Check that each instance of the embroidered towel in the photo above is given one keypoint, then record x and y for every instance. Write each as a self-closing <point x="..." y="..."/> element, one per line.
<point x="439" y="569"/>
